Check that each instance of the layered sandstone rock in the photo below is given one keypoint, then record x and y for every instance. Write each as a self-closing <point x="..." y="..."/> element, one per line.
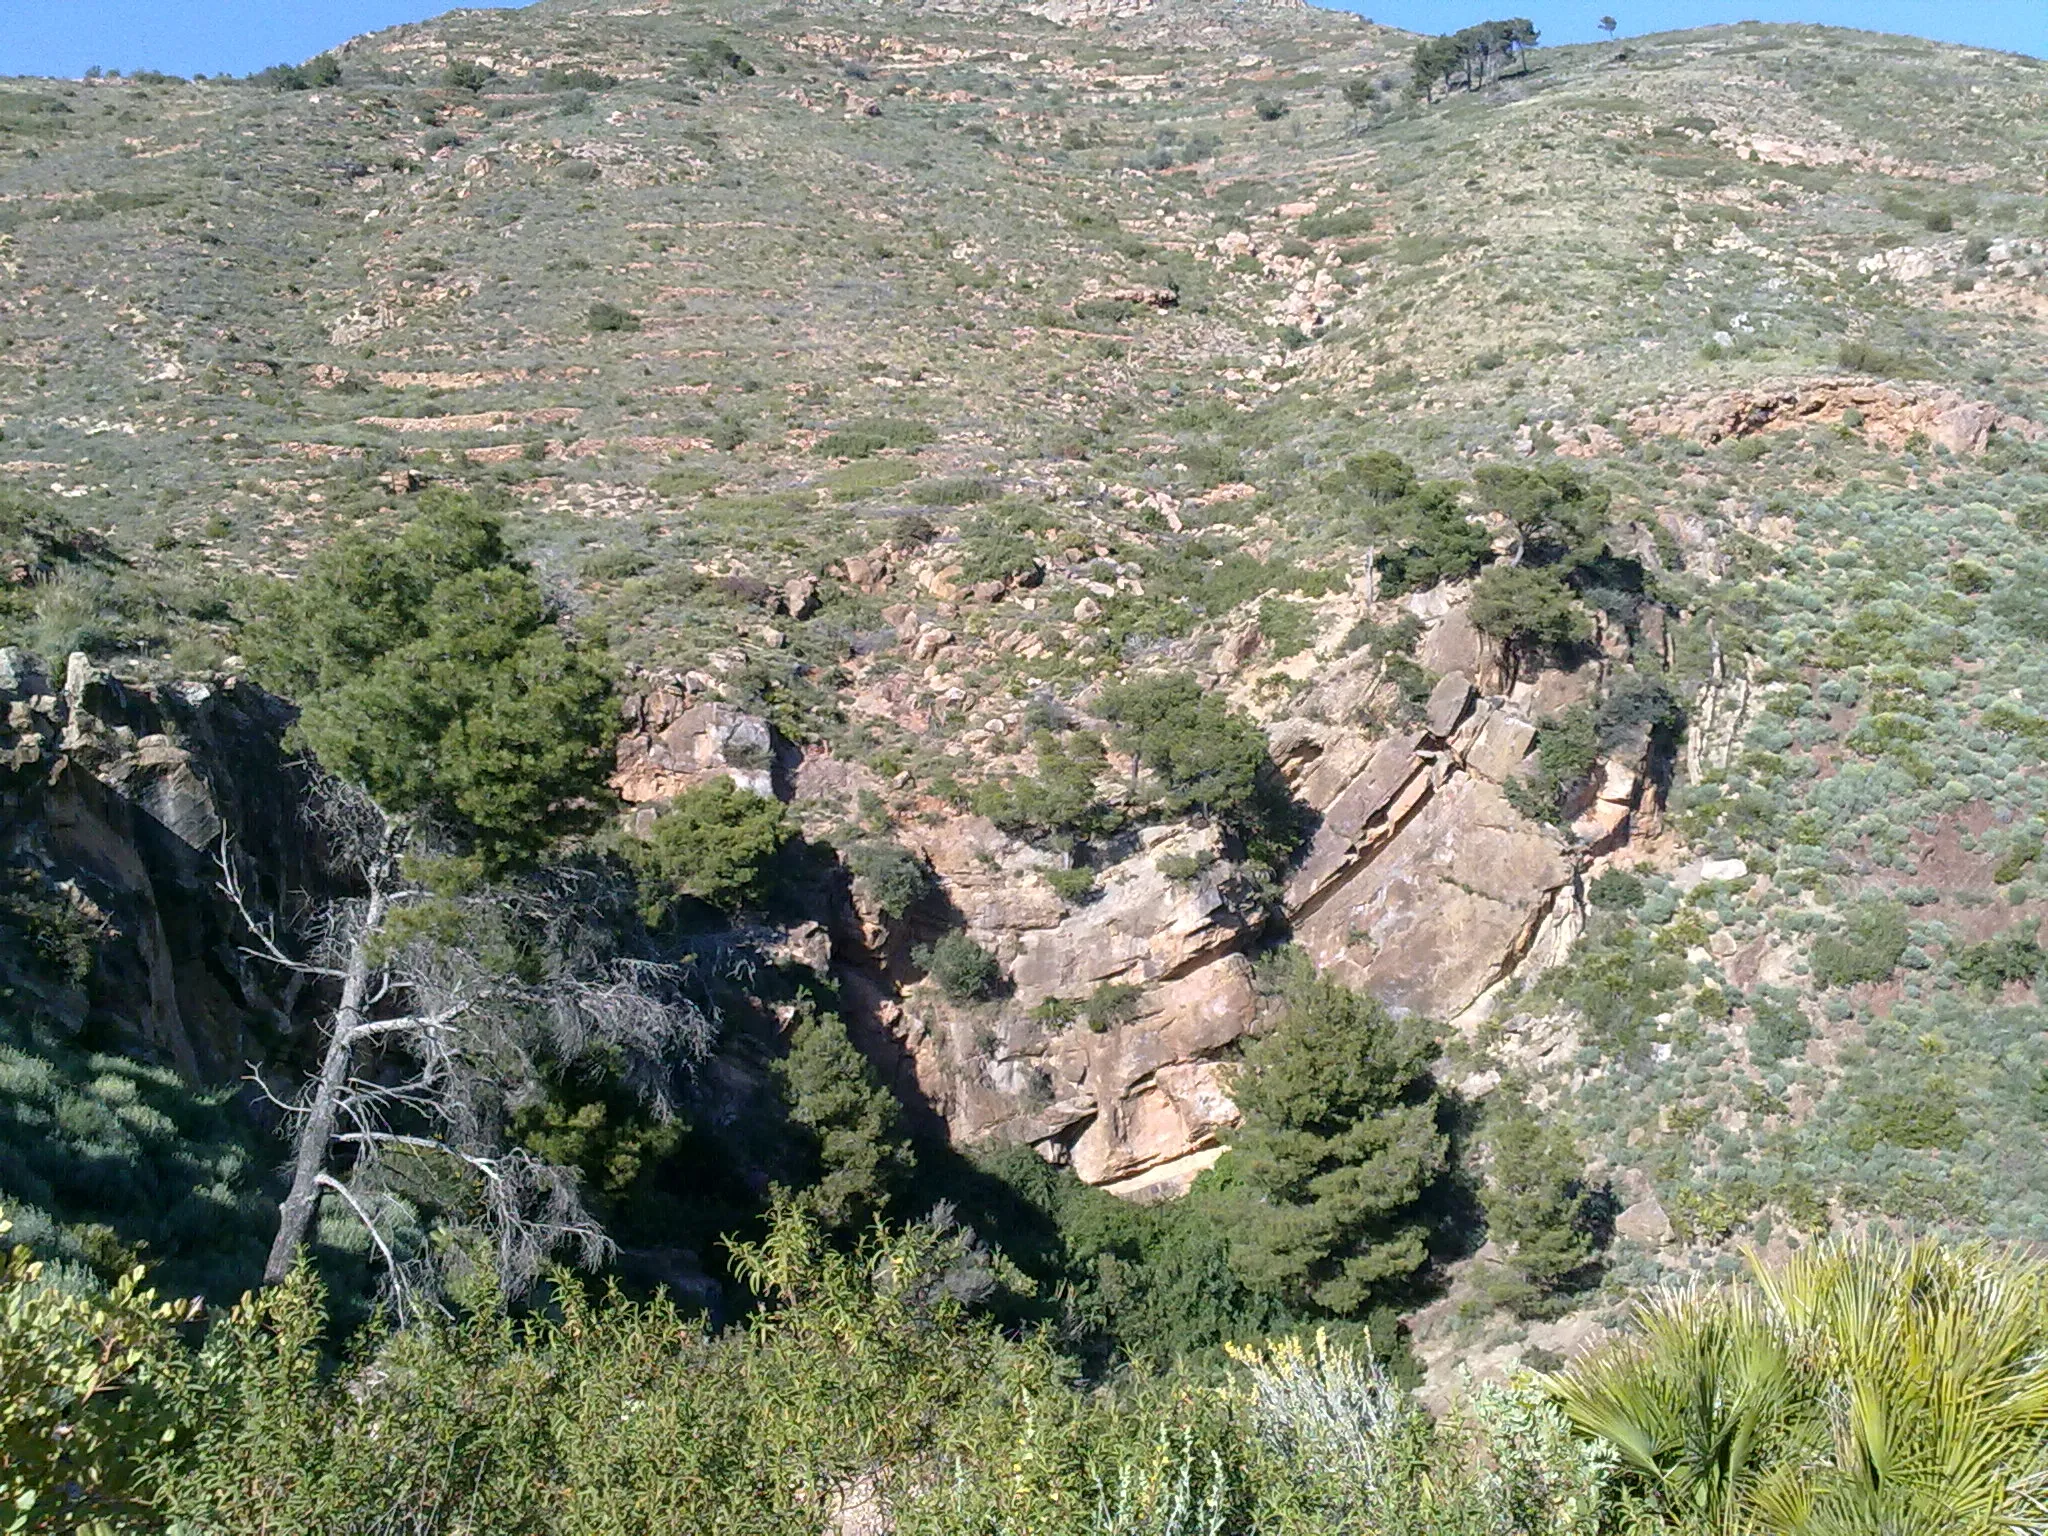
<point x="1111" y="1050"/>
<point x="1886" y="414"/>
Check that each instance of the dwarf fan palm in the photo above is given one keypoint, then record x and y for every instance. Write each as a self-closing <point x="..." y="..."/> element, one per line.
<point x="1869" y="1386"/>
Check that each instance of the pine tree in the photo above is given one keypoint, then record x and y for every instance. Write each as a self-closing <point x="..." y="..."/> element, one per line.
<point x="1339" y="1142"/>
<point x="431" y="672"/>
<point x="1539" y="1207"/>
<point x="863" y="1155"/>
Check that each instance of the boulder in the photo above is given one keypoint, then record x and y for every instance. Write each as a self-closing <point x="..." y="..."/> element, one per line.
<point x="1447" y="703"/>
<point x="1501" y="747"/>
<point x="672" y="744"/>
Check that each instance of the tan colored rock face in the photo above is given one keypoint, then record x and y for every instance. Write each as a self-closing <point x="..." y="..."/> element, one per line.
<point x="671" y="745"/>
<point x="1439" y="912"/>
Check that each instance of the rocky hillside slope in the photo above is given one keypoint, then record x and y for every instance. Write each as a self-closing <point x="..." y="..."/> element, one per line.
<point x="884" y="380"/>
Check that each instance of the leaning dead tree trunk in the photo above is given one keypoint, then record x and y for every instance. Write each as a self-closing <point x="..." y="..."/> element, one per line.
<point x="430" y="1039"/>
<point x="316" y="1134"/>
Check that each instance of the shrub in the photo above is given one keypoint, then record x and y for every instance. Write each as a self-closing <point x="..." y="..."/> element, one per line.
<point x="870" y="436"/>
<point x="1540" y="1208"/>
<point x="1615" y="890"/>
<point x="715" y="842"/>
<point x="1996" y="962"/>
<point x="965" y="971"/>
<point x="1529" y="611"/>
<point x="1114" y="1002"/>
<point x="468" y="75"/>
<point x="1927" y="1118"/>
<point x="1778" y="1028"/>
<point x="1203" y="756"/>
<point x="1062" y="799"/>
<point x="1865" y="357"/>
<point x="863" y="1159"/>
<point x="1339" y="1143"/>
<point x="1288" y="628"/>
<point x="1336" y="225"/>
<point x="1185" y="868"/>
<point x="1072" y="886"/>
<point x="895" y="878"/>
<point x="957" y="492"/>
<point x="993" y="556"/>
<point x="565" y="77"/>
<point x="83" y="1393"/>
<point x="1867" y="949"/>
<point x="605" y="316"/>
<point x="1270" y="108"/>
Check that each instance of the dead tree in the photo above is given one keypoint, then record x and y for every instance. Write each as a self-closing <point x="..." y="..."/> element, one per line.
<point x="448" y="1009"/>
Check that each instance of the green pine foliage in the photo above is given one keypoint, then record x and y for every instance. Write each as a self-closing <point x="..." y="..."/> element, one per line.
<point x="863" y="1160"/>
<point x="1063" y="800"/>
<point x="1196" y="754"/>
<point x="1540" y="1208"/>
<point x="965" y="971"/>
<point x="714" y="842"/>
<point x="1867" y="949"/>
<point x="1529" y="611"/>
<point x="1340" y="1144"/>
<point x="430" y="669"/>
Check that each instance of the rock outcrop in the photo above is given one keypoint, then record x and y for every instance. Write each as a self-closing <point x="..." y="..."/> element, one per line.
<point x="1111" y="1049"/>
<point x="1886" y="414"/>
<point x="117" y="796"/>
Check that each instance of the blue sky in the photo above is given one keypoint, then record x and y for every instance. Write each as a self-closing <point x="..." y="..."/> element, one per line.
<point x="65" y="37"/>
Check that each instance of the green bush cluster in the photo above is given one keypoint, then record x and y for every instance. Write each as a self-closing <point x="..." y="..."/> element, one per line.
<point x="964" y="971"/>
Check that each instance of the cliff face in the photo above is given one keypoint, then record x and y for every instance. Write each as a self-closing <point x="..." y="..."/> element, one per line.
<point x="118" y="796"/>
<point x="1109" y="1051"/>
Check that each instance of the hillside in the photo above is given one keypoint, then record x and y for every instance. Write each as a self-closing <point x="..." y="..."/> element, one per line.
<point x="885" y="384"/>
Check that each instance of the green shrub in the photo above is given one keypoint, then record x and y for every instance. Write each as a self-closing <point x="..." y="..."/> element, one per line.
<point x="1072" y="886"/>
<point x="1996" y="962"/>
<point x="715" y="842"/>
<point x="1615" y="890"/>
<point x="1185" y="868"/>
<point x="960" y="491"/>
<point x="1112" y="1003"/>
<point x="895" y="878"/>
<point x="994" y="556"/>
<point x="1529" y="611"/>
<point x="1336" y="225"/>
<point x="606" y="316"/>
<point x="87" y="1394"/>
<point x="965" y="971"/>
<point x="1203" y="756"/>
<point x="1867" y="949"/>
<point x="1062" y="799"/>
<point x="1778" y="1028"/>
<point x="1270" y="108"/>
<point x="1541" y="1208"/>
<point x="1339" y="1143"/>
<point x="865" y="438"/>
<point x="1927" y="1118"/>
<point x="468" y="75"/>
<point x="1287" y="627"/>
<point x="1865" y="357"/>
